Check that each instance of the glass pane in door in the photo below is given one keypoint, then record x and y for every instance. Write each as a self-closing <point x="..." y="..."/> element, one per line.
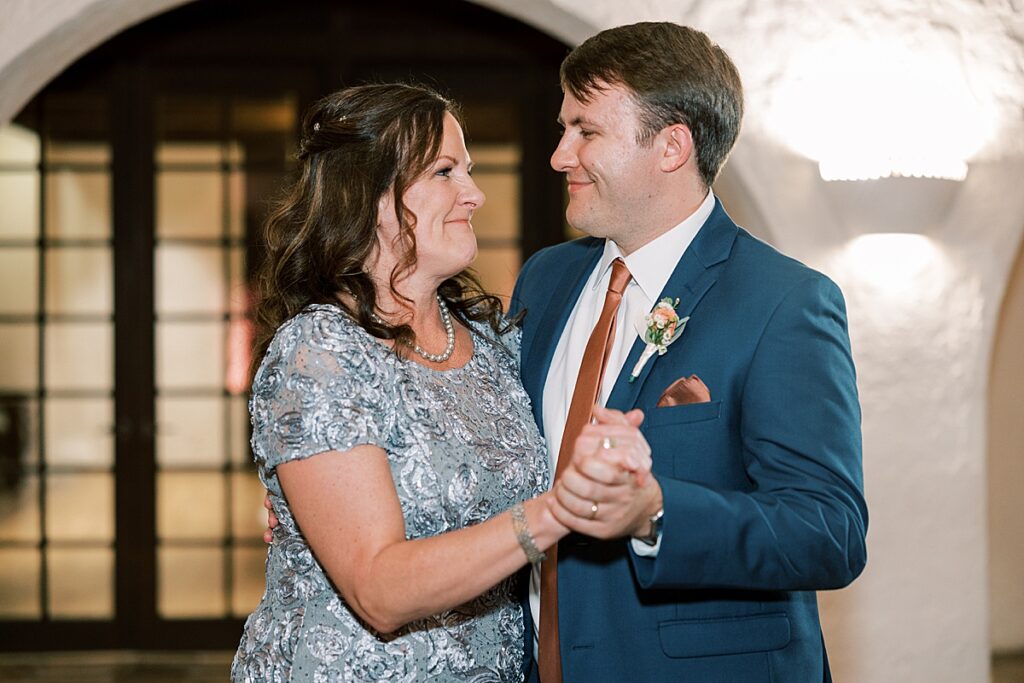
<point x="78" y="359"/>
<point x="497" y="222"/>
<point x="56" y="377"/>
<point x="213" y="155"/>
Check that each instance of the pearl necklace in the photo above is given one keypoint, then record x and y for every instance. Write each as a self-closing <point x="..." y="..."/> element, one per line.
<point x="446" y="320"/>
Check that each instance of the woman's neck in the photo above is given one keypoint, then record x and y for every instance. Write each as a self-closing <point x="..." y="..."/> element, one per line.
<point x="413" y="303"/>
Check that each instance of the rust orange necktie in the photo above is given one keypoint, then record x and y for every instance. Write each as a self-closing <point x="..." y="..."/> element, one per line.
<point x="588" y="386"/>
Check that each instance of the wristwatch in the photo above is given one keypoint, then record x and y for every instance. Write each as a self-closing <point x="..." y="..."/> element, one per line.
<point x="651" y="538"/>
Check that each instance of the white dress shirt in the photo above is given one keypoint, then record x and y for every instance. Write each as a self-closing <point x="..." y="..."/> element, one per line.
<point x="651" y="266"/>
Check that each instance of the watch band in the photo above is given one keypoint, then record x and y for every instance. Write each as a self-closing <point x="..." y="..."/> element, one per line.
<point x="651" y="538"/>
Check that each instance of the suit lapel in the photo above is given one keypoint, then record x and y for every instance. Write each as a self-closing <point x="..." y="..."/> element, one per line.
<point x="551" y="323"/>
<point x="695" y="274"/>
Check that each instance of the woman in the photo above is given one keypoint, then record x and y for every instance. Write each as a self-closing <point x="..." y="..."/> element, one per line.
<point x="389" y="422"/>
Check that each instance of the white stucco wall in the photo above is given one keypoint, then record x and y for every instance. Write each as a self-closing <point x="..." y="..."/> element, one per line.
<point x="922" y="332"/>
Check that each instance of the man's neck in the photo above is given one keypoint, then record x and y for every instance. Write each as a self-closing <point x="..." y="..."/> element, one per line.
<point x="643" y="235"/>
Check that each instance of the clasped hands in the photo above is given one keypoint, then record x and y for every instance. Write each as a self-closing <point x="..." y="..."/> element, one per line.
<point x="607" y="490"/>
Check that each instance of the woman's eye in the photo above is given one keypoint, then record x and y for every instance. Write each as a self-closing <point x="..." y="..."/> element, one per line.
<point x="444" y="172"/>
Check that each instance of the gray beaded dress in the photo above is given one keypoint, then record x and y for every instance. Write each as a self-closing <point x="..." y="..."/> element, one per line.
<point x="462" y="446"/>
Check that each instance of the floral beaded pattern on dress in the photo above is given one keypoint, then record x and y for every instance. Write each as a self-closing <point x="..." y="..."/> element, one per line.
<point x="462" y="446"/>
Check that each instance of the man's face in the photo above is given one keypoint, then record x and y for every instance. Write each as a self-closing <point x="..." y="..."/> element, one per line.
<point x="610" y="176"/>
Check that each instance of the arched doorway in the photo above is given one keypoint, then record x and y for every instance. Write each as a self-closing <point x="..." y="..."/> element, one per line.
<point x="134" y="184"/>
<point x="1006" y="474"/>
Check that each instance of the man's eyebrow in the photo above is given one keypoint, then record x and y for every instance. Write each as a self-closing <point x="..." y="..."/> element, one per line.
<point x="576" y="121"/>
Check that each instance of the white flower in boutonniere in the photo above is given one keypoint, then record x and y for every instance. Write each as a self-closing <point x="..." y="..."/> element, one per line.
<point x="658" y="329"/>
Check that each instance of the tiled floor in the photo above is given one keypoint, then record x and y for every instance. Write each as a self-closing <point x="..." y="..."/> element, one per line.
<point x="116" y="667"/>
<point x="212" y="667"/>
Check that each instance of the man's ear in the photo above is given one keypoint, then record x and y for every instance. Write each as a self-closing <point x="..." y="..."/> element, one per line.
<point x="677" y="147"/>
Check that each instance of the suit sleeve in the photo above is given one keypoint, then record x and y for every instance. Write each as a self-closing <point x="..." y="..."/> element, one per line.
<point x="803" y="525"/>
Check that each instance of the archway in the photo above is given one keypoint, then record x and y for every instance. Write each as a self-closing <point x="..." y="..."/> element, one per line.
<point x="1006" y="470"/>
<point x="150" y="161"/>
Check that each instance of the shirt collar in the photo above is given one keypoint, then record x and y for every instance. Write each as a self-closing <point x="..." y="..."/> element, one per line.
<point x="652" y="264"/>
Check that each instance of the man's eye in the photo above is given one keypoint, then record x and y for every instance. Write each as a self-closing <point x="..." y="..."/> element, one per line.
<point x="586" y="133"/>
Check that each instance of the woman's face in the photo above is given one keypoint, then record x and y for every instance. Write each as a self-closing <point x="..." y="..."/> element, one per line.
<point x="443" y="200"/>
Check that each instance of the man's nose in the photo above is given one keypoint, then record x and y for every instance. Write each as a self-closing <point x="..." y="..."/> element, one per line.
<point x="563" y="158"/>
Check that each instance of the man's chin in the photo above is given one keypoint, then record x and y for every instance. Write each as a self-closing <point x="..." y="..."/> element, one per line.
<point x="585" y="225"/>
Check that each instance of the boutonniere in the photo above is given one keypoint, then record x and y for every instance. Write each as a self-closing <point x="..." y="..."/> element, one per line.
<point x="658" y="329"/>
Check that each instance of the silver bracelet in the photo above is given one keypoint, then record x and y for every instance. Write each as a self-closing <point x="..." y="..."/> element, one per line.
<point x="533" y="555"/>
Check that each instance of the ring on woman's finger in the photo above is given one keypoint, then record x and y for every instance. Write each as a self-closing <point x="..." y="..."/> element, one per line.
<point x="607" y="443"/>
<point x="593" y="509"/>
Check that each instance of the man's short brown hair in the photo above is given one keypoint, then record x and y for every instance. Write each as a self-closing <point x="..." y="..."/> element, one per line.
<point x="675" y="74"/>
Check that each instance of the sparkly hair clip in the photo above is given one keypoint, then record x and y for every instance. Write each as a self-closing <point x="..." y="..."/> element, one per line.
<point x="340" y="119"/>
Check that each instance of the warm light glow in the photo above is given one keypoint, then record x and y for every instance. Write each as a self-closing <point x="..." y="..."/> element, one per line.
<point x="895" y="262"/>
<point x="239" y="343"/>
<point x="877" y="109"/>
<point x="239" y="355"/>
<point x="854" y="168"/>
<point x="19" y="144"/>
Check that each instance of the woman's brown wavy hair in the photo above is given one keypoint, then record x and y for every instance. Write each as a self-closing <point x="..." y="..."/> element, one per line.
<point x="357" y="144"/>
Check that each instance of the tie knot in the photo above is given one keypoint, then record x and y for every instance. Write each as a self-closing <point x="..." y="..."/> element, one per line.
<point x="620" y="277"/>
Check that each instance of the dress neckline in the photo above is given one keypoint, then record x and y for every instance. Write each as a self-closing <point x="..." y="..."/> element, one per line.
<point x="474" y="337"/>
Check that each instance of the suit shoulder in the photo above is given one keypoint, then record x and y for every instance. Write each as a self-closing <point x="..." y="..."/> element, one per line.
<point x="544" y="268"/>
<point x="551" y="262"/>
<point x="773" y="270"/>
<point x="562" y="254"/>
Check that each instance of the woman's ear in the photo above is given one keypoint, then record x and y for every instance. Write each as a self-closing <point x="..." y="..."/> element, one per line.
<point x="387" y="219"/>
<point x="677" y="147"/>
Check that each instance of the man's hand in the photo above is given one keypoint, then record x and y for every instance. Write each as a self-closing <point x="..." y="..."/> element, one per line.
<point x="272" y="522"/>
<point x="607" y="490"/>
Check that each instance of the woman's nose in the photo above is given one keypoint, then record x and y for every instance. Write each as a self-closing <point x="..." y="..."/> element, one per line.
<point x="473" y="195"/>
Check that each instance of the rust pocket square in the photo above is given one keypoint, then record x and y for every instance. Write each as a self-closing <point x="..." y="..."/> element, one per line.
<point x="683" y="391"/>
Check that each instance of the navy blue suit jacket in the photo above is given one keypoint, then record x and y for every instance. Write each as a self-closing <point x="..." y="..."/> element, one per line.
<point x="762" y="485"/>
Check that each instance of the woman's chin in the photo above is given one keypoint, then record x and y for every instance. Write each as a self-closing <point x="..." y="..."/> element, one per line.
<point x="467" y="263"/>
<point x="463" y="258"/>
<point x="449" y="261"/>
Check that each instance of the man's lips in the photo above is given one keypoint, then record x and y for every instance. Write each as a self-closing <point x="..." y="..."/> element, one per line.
<point x="576" y="185"/>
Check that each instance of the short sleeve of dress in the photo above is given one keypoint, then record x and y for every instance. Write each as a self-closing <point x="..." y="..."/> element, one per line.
<point x="318" y="389"/>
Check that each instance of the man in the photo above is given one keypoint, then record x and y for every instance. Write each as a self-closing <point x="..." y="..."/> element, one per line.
<point x="704" y="570"/>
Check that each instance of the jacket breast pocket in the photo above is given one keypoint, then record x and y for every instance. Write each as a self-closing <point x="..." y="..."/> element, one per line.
<point x="673" y="415"/>
<point x="689" y="441"/>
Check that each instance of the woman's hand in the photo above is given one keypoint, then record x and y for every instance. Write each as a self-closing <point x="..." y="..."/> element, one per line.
<point x="272" y="521"/>
<point x="607" y="490"/>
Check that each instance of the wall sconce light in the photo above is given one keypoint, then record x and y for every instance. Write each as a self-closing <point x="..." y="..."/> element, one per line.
<point x="870" y="110"/>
